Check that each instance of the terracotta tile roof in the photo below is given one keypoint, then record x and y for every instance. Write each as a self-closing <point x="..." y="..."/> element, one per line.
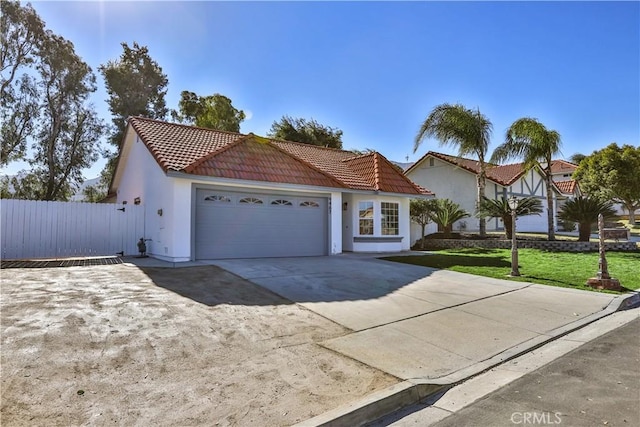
<point x="329" y="160"/>
<point x="247" y="158"/>
<point x="208" y="152"/>
<point x="382" y="174"/>
<point x="502" y="174"/>
<point x="505" y="174"/>
<point x="562" y="166"/>
<point x="167" y="141"/>
<point x="567" y="187"/>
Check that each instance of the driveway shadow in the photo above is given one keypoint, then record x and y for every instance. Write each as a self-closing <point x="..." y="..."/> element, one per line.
<point x="211" y="285"/>
<point x="327" y="279"/>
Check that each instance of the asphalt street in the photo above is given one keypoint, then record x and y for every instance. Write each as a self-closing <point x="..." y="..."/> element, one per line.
<point x="597" y="384"/>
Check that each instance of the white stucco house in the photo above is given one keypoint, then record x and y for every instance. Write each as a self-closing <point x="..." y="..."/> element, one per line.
<point x="209" y="194"/>
<point x="455" y="178"/>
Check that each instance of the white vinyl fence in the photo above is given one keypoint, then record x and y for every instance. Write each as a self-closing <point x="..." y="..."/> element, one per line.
<point x="38" y="229"/>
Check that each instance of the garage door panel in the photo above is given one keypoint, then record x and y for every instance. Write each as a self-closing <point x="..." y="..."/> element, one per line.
<point x="227" y="228"/>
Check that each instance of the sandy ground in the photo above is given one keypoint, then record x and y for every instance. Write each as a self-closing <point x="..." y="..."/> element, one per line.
<point x="120" y="345"/>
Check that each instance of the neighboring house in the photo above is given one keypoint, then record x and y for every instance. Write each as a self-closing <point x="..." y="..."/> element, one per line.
<point x="561" y="170"/>
<point x="561" y="173"/>
<point x="455" y="178"/>
<point x="210" y="195"/>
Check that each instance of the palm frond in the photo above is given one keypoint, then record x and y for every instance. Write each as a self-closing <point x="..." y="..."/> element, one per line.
<point x="499" y="208"/>
<point x="445" y="212"/>
<point x="586" y="209"/>
<point x="458" y="126"/>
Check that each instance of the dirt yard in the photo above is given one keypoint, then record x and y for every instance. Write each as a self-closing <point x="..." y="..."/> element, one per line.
<point x="121" y="345"/>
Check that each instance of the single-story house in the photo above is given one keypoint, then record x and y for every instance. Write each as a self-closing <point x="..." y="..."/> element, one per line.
<point x="455" y="178"/>
<point x="210" y="194"/>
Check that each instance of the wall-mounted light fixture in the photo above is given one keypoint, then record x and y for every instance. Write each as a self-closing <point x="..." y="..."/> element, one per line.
<point x="136" y="201"/>
<point x="160" y="212"/>
<point x="345" y="206"/>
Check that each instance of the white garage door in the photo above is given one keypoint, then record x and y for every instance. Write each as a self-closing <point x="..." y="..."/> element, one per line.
<point x="242" y="225"/>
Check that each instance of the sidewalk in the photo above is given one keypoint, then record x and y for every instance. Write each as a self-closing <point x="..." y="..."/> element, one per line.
<point x="590" y="377"/>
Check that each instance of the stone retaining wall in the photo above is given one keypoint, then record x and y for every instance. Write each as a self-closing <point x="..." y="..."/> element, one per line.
<point x="555" y="246"/>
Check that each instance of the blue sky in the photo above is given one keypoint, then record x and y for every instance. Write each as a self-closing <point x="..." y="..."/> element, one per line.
<point x="376" y="69"/>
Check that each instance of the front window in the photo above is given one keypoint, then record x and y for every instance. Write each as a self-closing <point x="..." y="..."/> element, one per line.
<point x="389" y="218"/>
<point x="365" y="220"/>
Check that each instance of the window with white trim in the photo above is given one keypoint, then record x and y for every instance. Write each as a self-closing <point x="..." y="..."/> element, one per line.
<point x="389" y="218"/>
<point x="365" y="218"/>
<point x="281" y="202"/>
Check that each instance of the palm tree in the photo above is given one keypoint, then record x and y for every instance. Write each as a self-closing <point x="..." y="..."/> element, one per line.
<point x="468" y="130"/>
<point x="531" y="141"/>
<point x="445" y="212"/>
<point x="500" y="209"/>
<point x="584" y="211"/>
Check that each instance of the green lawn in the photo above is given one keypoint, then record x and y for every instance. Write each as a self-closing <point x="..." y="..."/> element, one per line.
<point x="564" y="269"/>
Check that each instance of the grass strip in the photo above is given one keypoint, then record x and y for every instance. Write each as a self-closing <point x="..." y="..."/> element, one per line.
<point x="563" y="269"/>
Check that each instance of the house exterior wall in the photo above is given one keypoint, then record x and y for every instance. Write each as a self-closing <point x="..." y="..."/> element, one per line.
<point x="449" y="182"/>
<point x="143" y="178"/>
<point x="348" y="225"/>
<point x="335" y="223"/>
<point x="531" y="184"/>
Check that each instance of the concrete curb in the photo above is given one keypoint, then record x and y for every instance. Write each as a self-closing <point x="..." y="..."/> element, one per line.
<point x="375" y="405"/>
<point x="410" y="392"/>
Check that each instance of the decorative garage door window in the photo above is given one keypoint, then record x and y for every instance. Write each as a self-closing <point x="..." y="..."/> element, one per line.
<point x="309" y="204"/>
<point x="389" y="218"/>
<point x="250" y="201"/>
<point x="218" y="198"/>
<point x="365" y="221"/>
<point x="281" y="202"/>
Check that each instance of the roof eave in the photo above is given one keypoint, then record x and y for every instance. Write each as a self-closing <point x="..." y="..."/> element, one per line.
<point x="248" y="183"/>
<point x="243" y="183"/>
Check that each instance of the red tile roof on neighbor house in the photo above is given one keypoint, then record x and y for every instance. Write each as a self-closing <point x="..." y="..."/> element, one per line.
<point x="506" y="174"/>
<point x="502" y="174"/>
<point x="562" y="167"/>
<point x="567" y="187"/>
<point x="207" y="152"/>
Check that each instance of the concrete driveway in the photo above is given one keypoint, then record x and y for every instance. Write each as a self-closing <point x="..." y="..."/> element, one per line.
<point x="423" y="324"/>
